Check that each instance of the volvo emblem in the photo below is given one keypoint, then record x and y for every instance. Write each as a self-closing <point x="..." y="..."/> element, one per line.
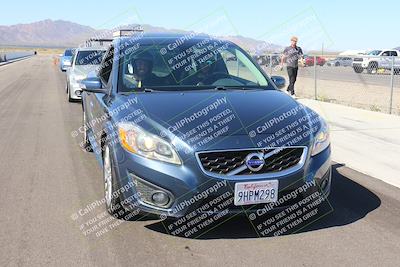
<point x="255" y="161"/>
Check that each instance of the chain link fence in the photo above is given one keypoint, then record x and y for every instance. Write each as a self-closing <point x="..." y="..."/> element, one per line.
<point x="370" y="82"/>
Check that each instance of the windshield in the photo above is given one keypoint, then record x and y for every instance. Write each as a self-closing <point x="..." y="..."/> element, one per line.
<point x="68" y="53"/>
<point x="92" y="57"/>
<point x="375" y="52"/>
<point x="191" y="65"/>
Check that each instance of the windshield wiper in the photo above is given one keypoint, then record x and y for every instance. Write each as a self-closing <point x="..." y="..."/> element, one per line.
<point x="224" y="88"/>
<point x="139" y="90"/>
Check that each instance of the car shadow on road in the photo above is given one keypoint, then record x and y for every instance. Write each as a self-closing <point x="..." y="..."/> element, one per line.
<point x="348" y="203"/>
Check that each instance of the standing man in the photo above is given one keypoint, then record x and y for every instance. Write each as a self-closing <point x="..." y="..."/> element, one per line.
<point x="292" y="54"/>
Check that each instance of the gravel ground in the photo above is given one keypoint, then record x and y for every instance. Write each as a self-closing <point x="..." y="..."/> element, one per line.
<point x="343" y="86"/>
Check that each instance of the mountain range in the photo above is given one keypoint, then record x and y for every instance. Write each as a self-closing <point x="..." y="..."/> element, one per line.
<point x="60" y="33"/>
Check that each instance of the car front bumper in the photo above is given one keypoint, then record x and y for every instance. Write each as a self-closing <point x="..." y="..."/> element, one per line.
<point x="360" y="64"/>
<point x="75" y="91"/>
<point x="187" y="182"/>
<point x="64" y="65"/>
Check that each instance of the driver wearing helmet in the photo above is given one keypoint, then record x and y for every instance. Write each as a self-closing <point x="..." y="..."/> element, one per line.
<point x="142" y="70"/>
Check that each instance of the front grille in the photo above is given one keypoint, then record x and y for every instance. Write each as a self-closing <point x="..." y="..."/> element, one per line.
<point x="283" y="160"/>
<point x="223" y="162"/>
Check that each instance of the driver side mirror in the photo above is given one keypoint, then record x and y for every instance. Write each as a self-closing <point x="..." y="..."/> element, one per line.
<point x="92" y="85"/>
<point x="279" y="81"/>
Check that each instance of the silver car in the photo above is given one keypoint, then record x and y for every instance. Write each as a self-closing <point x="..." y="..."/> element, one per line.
<point x="85" y="60"/>
<point x="340" y="61"/>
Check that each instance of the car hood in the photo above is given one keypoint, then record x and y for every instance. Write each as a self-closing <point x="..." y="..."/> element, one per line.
<point x="64" y="58"/>
<point x="83" y="70"/>
<point x="216" y="120"/>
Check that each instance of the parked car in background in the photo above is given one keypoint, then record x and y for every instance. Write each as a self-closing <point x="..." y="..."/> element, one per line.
<point x="340" y="61"/>
<point x="85" y="60"/>
<point x="268" y="60"/>
<point x="377" y="59"/>
<point x="273" y="60"/>
<point x="168" y="120"/>
<point x="66" y="59"/>
<point x="309" y="61"/>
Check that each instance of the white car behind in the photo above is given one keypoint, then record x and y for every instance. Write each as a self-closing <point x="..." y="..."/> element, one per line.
<point x="85" y="60"/>
<point x="378" y="59"/>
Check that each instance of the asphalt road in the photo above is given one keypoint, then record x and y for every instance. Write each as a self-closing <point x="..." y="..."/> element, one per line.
<point x="46" y="177"/>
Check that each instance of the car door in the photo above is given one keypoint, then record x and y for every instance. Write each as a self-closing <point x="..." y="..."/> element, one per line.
<point x="348" y="61"/>
<point x="396" y="59"/>
<point x="385" y="60"/>
<point x="96" y="101"/>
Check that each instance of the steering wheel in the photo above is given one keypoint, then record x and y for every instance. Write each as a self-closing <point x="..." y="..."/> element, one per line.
<point x="215" y="77"/>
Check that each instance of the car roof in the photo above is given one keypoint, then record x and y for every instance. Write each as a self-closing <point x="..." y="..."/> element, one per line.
<point x="383" y="49"/>
<point x="167" y="35"/>
<point x="171" y="37"/>
<point x="93" y="48"/>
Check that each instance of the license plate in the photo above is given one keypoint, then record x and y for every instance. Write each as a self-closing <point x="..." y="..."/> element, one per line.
<point x="249" y="193"/>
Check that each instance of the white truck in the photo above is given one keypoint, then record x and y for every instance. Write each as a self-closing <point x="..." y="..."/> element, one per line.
<point x="377" y="60"/>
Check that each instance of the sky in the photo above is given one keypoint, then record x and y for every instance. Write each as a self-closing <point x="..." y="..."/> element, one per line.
<point x="334" y="25"/>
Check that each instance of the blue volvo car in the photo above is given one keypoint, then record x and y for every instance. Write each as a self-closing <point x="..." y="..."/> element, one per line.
<point x="180" y="122"/>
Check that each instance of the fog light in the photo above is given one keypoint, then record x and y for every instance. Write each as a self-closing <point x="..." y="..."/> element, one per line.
<point x="152" y="194"/>
<point x="78" y="93"/>
<point x="160" y="198"/>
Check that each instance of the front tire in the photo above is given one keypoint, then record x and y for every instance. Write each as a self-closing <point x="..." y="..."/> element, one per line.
<point x="358" y="69"/>
<point x="69" y="95"/>
<point x="372" y="68"/>
<point x="111" y="193"/>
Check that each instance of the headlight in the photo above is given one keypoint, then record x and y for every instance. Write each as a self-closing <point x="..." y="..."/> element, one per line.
<point x="138" y="141"/>
<point x="321" y="139"/>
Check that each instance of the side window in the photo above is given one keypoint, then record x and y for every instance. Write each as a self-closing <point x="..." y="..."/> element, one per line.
<point x="386" y="53"/>
<point x="393" y="53"/>
<point x="236" y="67"/>
<point x="106" y="65"/>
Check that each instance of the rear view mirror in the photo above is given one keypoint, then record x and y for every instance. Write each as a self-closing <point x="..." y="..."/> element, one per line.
<point x="92" y="85"/>
<point x="279" y="81"/>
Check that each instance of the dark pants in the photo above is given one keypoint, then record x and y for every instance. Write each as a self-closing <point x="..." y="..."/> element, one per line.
<point x="292" y="72"/>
